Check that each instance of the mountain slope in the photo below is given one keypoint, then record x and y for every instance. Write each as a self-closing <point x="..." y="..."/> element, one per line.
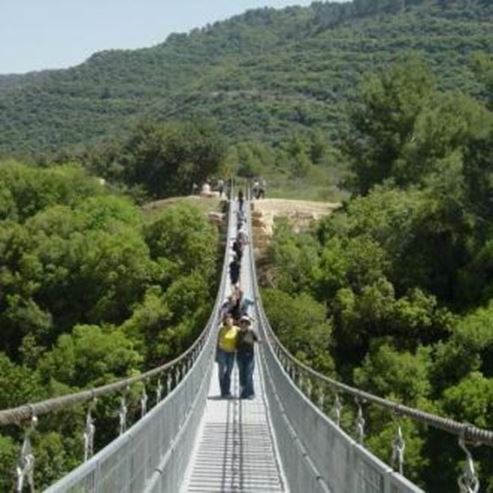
<point x="259" y="75"/>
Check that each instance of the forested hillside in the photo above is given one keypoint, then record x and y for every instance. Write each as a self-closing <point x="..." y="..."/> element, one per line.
<point x="261" y="75"/>
<point x="91" y="291"/>
<point x="394" y="293"/>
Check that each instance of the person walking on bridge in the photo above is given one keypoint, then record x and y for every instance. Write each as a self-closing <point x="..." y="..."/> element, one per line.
<point x="225" y="353"/>
<point x="241" y="200"/>
<point x="234" y="270"/>
<point x="245" y="342"/>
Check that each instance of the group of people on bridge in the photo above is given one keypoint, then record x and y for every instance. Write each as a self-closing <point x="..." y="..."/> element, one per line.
<point x="236" y="338"/>
<point x="222" y="188"/>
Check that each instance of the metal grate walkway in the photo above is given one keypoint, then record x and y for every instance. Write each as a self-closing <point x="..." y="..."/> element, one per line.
<point x="236" y="450"/>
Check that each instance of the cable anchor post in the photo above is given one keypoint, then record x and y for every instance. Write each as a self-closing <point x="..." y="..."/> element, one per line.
<point x="321" y="398"/>
<point x="89" y="432"/>
<point x="168" y="382"/>
<point x="25" y="466"/>
<point x="398" y="448"/>
<point x="122" y="413"/>
<point x="159" y="391"/>
<point x="308" y="388"/>
<point x="301" y="381"/>
<point x="468" y="481"/>
<point x="360" y="422"/>
<point x="143" y="401"/>
<point x="337" y="410"/>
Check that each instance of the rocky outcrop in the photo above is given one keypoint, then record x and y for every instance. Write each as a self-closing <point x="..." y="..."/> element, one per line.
<point x="299" y="213"/>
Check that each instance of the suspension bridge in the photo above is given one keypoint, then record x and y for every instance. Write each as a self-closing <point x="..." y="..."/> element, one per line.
<point x="288" y="439"/>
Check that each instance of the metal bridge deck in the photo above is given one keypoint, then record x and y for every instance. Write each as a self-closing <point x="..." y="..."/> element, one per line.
<point x="236" y="451"/>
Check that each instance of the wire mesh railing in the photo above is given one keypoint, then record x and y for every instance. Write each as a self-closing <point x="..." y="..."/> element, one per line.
<point x="320" y="450"/>
<point x="332" y="459"/>
<point x="137" y="459"/>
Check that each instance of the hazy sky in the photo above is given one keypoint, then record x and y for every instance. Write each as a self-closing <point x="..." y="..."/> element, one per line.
<point x="39" y="34"/>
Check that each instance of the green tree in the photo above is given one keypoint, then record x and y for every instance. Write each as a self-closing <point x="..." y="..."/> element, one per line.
<point x="90" y="356"/>
<point x="182" y="235"/>
<point x="401" y="375"/>
<point x="9" y="454"/>
<point x="469" y="349"/>
<point x="383" y="122"/>
<point x="168" y="158"/>
<point x="25" y="190"/>
<point x="300" y="323"/>
<point x="296" y="259"/>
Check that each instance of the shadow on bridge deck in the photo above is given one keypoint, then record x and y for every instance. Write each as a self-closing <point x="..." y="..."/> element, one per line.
<point x="235" y="449"/>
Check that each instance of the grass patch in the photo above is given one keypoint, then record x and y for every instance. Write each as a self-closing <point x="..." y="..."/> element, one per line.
<point x="320" y="184"/>
<point x="205" y="205"/>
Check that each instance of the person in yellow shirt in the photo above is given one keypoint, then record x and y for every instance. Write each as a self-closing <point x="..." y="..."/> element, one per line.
<point x="225" y="353"/>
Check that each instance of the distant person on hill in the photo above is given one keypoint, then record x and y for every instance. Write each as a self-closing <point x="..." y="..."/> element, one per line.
<point x="245" y="342"/>
<point x="206" y="189"/>
<point x="220" y="187"/>
<point x="255" y="189"/>
<point x="195" y="189"/>
<point x="241" y="199"/>
<point x="261" y="190"/>
<point x="225" y="353"/>
<point x="234" y="271"/>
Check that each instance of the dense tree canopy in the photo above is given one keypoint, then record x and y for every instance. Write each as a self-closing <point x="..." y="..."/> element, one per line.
<point x="393" y="293"/>
<point x="404" y="267"/>
<point x="90" y="291"/>
<point x="262" y="75"/>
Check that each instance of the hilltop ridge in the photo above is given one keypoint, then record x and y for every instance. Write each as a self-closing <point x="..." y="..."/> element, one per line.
<point x="260" y="75"/>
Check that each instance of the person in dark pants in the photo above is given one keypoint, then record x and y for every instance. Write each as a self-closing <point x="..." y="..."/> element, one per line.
<point x="220" y="188"/>
<point x="241" y="199"/>
<point x="234" y="271"/>
<point x="225" y="353"/>
<point x="238" y="246"/>
<point x="245" y="341"/>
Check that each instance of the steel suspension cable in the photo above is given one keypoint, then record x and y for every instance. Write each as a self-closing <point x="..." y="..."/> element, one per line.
<point x="24" y="413"/>
<point x="467" y="431"/>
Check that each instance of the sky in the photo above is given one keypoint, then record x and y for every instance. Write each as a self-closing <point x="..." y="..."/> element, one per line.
<point x="44" y="34"/>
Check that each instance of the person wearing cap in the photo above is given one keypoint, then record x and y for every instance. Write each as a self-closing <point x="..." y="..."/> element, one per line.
<point x="245" y="342"/>
<point x="225" y="353"/>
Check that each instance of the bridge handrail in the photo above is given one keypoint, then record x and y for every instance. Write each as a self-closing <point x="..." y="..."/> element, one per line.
<point x="466" y="431"/>
<point x="470" y="433"/>
<point x="24" y="413"/>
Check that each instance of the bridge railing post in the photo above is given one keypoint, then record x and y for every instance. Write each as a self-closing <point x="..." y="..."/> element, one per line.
<point x="398" y="448"/>
<point x="321" y="397"/>
<point x="468" y="481"/>
<point x="360" y="421"/>
<point x="169" y="382"/>
<point x="143" y="401"/>
<point x="123" y="413"/>
<point x="89" y="431"/>
<point x="159" y="390"/>
<point x="337" y="410"/>
<point x="25" y="467"/>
